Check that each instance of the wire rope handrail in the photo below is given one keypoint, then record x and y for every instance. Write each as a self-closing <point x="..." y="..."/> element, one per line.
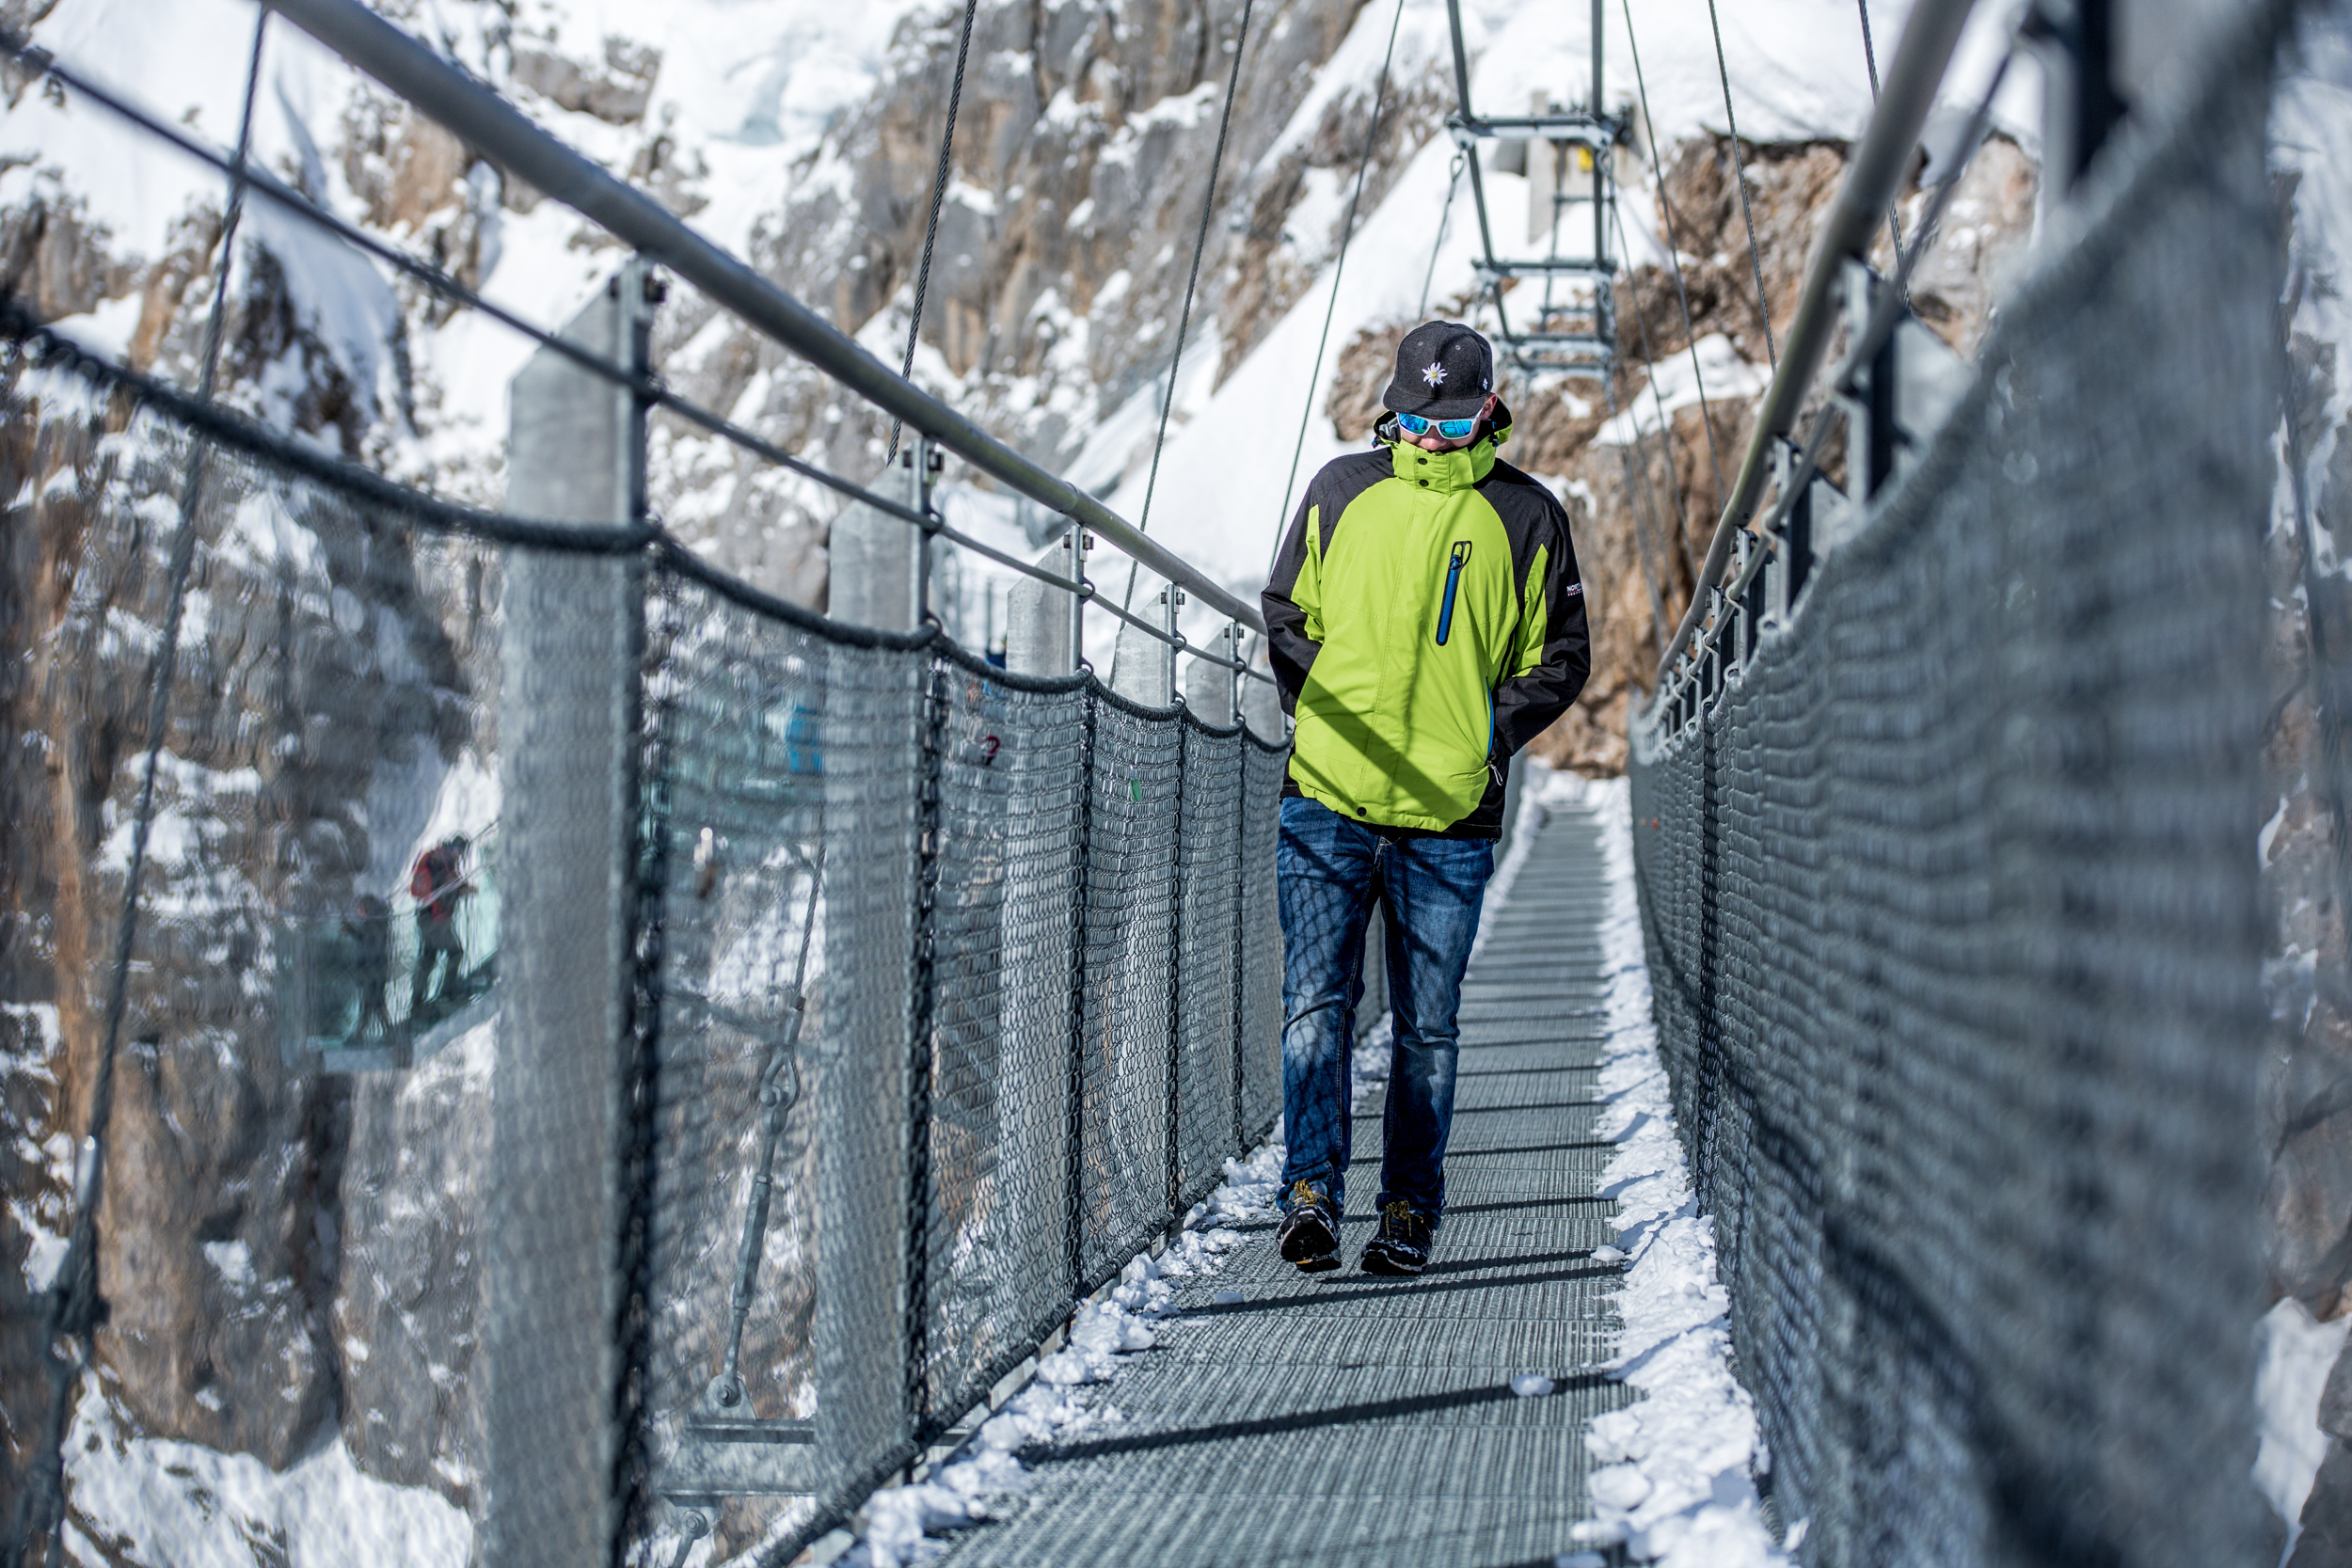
<point x="1886" y="312"/>
<point x="1929" y="36"/>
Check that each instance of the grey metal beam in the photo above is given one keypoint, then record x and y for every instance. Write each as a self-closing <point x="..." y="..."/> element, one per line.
<point x="1560" y="266"/>
<point x="470" y="110"/>
<point x="1905" y="99"/>
<point x="1585" y="130"/>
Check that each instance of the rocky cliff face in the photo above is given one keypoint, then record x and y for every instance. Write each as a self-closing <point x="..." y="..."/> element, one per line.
<point x="291" y="1255"/>
<point x="2306" y="848"/>
<point x="322" y="652"/>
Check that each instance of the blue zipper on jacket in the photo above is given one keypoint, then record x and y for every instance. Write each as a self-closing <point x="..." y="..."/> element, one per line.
<point x="1453" y="580"/>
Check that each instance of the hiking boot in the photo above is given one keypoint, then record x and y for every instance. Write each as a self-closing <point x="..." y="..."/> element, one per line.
<point x="1310" y="1236"/>
<point x="1403" y="1246"/>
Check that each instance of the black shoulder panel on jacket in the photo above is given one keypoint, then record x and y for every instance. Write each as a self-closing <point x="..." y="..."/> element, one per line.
<point x="1339" y="482"/>
<point x="1532" y="515"/>
<point x="1336" y="484"/>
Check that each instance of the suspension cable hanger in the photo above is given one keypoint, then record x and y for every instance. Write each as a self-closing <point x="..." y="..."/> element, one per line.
<point x="72" y="1307"/>
<point x="445" y="93"/>
<point x="931" y="228"/>
<point x="1673" y="254"/>
<point x="1192" y="281"/>
<point x="1339" y="268"/>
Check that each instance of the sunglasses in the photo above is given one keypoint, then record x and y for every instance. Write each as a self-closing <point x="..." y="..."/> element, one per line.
<point x="1449" y="430"/>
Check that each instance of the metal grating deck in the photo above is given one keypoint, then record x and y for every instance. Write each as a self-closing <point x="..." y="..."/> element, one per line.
<point x="1349" y="1419"/>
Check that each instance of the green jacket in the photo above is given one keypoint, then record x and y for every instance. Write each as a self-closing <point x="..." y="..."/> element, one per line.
<point x="1426" y="621"/>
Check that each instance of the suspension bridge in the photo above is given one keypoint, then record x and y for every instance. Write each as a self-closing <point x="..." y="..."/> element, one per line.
<point x="868" y="1007"/>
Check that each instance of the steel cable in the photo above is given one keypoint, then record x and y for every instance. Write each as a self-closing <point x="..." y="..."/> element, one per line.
<point x="939" y="198"/>
<point x="72" y="1308"/>
<point x="1347" y="232"/>
<point x="1739" y="170"/>
<point x="1445" y="217"/>
<point x="1665" y="425"/>
<point x="1183" y="318"/>
<point x="1674" y="257"/>
<point x="1871" y="60"/>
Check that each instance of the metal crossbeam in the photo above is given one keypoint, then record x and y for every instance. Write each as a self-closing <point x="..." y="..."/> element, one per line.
<point x="1546" y="266"/>
<point x="1576" y="128"/>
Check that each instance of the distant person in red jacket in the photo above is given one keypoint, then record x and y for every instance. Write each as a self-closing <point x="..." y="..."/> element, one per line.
<point x="437" y="884"/>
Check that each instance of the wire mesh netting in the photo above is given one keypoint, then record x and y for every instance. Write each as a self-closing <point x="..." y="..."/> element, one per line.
<point x="1951" y="904"/>
<point x="566" y="981"/>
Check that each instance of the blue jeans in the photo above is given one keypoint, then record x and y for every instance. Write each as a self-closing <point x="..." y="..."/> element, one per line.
<point x="1328" y="872"/>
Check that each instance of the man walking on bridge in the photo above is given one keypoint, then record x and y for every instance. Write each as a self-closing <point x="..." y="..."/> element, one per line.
<point x="1426" y="621"/>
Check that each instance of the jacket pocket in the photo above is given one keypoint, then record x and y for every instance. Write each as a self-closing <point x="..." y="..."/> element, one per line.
<point x="1454" y="563"/>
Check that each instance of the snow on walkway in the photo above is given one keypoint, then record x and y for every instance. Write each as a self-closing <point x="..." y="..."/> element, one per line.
<point x="1558" y="1386"/>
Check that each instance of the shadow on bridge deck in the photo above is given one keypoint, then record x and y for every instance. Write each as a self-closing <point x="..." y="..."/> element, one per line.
<point x="1351" y="1420"/>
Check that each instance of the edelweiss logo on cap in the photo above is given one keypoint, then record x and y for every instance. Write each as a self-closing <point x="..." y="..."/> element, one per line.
<point x="1433" y="374"/>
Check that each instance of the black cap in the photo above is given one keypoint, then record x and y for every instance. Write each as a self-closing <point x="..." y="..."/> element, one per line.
<point x="1444" y="371"/>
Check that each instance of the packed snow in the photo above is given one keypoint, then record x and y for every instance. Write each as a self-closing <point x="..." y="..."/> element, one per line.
<point x="147" y="1500"/>
<point x="2295" y="1357"/>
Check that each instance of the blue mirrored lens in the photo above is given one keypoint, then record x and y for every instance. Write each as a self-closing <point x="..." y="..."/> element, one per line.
<point x="1451" y="430"/>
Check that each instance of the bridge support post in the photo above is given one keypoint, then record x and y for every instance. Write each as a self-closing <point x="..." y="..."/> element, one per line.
<point x="1143" y="667"/>
<point x="1209" y="688"/>
<point x="1039" y="617"/>
<point x="1263" y="709"/>
<point x="570" y="651"/>
<point x="876" y="725"/>
<point x="876" y="560"/>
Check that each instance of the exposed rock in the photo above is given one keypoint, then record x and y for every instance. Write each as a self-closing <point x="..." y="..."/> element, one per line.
<point x="2307" y="1084"/>
<point x="218" y="1241"/>
<point x="1983" y="238"/>
<point x="615" y="88"/>
<point x="52" y="258"/>
<point x="404" y="1319"/>
<point x="2335" y="1400"/>
<point x="2327" y="1538"/>
<point x="37" y="1194"/>
<point x="423" y="186"/>
<point x="1080" y="161"/>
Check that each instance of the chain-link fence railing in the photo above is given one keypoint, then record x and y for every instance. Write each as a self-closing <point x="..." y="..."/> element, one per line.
<point x="1950" y="903"/>
<point x="942" y="992"/>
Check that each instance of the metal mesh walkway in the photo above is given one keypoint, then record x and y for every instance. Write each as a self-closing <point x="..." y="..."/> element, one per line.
<point x="1359" y="1420"/>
